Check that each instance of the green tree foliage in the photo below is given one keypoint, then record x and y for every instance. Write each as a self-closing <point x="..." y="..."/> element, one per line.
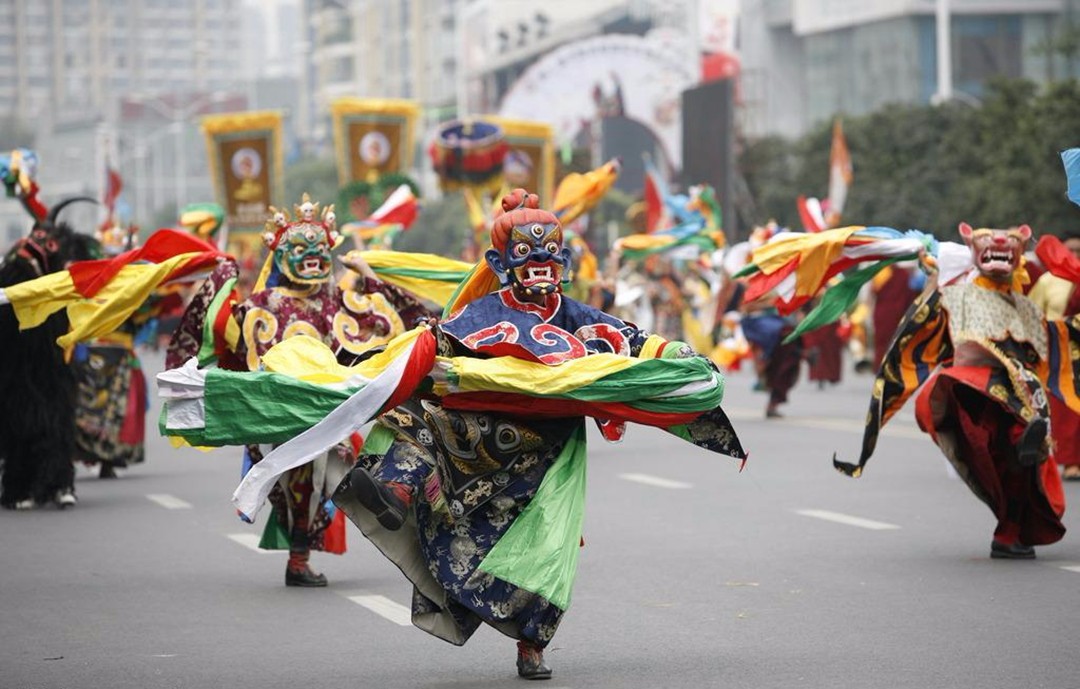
<point x="925" y="167"/>
<point x="365" y="197"/>
<point x="441" y="228"/>
<point x="315" y="176"/>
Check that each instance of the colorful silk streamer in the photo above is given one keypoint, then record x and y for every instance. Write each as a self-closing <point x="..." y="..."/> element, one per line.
<point x="100" y="295"/>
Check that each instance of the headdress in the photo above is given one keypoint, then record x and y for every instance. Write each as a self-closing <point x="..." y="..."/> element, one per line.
<point x="310" y="224"/>
<point x="520" y="208"/>
<point x="279" y="224"/>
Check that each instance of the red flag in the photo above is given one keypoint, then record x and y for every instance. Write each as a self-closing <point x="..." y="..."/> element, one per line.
<point x="113" y="185"/>
<point x="654" y="197"/>
<point x="400" y="208"/>
<point x="810" y="214"/>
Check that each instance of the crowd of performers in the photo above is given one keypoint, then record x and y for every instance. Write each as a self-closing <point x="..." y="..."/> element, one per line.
<point x="84" y="402"/>
<point x="440" y="406"/>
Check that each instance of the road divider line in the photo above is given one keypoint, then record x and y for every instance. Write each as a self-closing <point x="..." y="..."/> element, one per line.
<point x="249" y="541"/>
<point x="385" y="608"/>
<point x="897" y="429"/>
<point x="1072" y="568"/>
<point x="169" y="502"/>
<point x="847" y="519"/>
<point x="656" y="481"/>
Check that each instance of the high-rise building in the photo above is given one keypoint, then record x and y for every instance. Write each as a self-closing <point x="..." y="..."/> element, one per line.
<point x="803" y="61"/>
<point x="119" y="82"/>
<point x="380" y="49"/>
<point x="61" y="58"/>
<point x="272" y="35"/>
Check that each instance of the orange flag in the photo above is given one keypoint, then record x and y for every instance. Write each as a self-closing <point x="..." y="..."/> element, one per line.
<point x="840" y="174"/>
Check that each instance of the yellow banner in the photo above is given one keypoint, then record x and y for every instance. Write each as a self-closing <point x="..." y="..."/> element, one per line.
<point x="246" y="165"/>
<point x="372" y="137"/>
<point x="530" y="162"/>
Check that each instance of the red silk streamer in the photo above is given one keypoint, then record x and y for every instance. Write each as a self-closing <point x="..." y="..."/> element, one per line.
<point x="421" y="361"/>
<point x="524" y="405"/>
<point x="1058" y="259"/>
<point x="90" y="277"/>
<point x="760" y="284"/>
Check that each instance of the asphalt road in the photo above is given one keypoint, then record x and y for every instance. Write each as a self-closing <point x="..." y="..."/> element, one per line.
<point x="693" y="575"/>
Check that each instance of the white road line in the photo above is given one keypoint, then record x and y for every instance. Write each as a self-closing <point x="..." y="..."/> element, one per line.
<point x="169" y="502"/>
<point x="655" y="481"/>
<point x="1072" y="568"/>
<point x="846" y="519"/>
<point x="250" y="541"/>
<point x="385" y="608"/>
<point x="895" y="428"/>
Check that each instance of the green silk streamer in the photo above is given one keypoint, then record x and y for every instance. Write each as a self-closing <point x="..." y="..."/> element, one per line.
<point x="839" y="298"/>
<point x="539" y="552"/>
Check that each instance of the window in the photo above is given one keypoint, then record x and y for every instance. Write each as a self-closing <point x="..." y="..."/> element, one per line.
<point x="985" y="47"/>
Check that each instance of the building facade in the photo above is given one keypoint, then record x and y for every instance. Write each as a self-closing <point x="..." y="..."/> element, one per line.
<point x="806" y="60"/>
<point x="118" y="82"/>
<point x="78" y="56"/>
<point x="379" y="49"/>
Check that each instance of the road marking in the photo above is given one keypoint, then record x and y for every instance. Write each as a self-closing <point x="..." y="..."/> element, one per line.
<point x="846" y="519"/>
<point x="169" y="502"/>
<point x="385" y="608"/>
<point x="895" y="428"/>
<point x="655" y="481"/>
<point x="250" y="541"/>
<point x="1072" y="568"/>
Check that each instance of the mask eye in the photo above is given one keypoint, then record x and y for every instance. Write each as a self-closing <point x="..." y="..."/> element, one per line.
<point x="552" y="248"/>
<point x="537" y="231"/>
<point x="521" y="250"/>
<point x="298" y="250"/>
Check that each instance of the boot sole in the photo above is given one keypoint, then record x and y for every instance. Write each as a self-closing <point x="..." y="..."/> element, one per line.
<point x="367" y="491"/>
<point x="997" y="555"/>
<point x="543" y="674"/>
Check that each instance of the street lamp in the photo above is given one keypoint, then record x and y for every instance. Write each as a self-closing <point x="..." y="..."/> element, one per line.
<point x="944" y="52"/>
<point x="178" y="116"/>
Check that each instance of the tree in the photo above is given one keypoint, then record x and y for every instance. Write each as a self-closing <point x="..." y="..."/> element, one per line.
<point x="441" y="227"/>
<point x="315" y="176"/>
<point x="929" y="168"/>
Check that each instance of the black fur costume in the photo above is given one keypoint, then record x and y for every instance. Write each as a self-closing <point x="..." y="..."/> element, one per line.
<point x="37" y="388"/>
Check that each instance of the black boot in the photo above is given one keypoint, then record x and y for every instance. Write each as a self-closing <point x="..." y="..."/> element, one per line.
<point x="1013" y="551"/>
<point x="304" y="577"/>
<point x="530" y="661"/>
<point x="297" y="571"/>
<point x="389" y="501"/>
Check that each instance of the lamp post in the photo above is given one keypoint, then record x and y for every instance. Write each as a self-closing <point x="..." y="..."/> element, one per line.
<point x="181" y="163"/>
<point x="944" y="52"/>
<point x="178" y="115"/>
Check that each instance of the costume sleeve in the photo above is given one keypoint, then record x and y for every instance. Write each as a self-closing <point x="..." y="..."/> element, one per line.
<point x="921" y="344"/>
<point x="373" y="313"/>
<point x="407" y="306"/>
<point x="208" y="329"/>
<point x="711" y="430"/>
<point x="1063" y="361"/>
